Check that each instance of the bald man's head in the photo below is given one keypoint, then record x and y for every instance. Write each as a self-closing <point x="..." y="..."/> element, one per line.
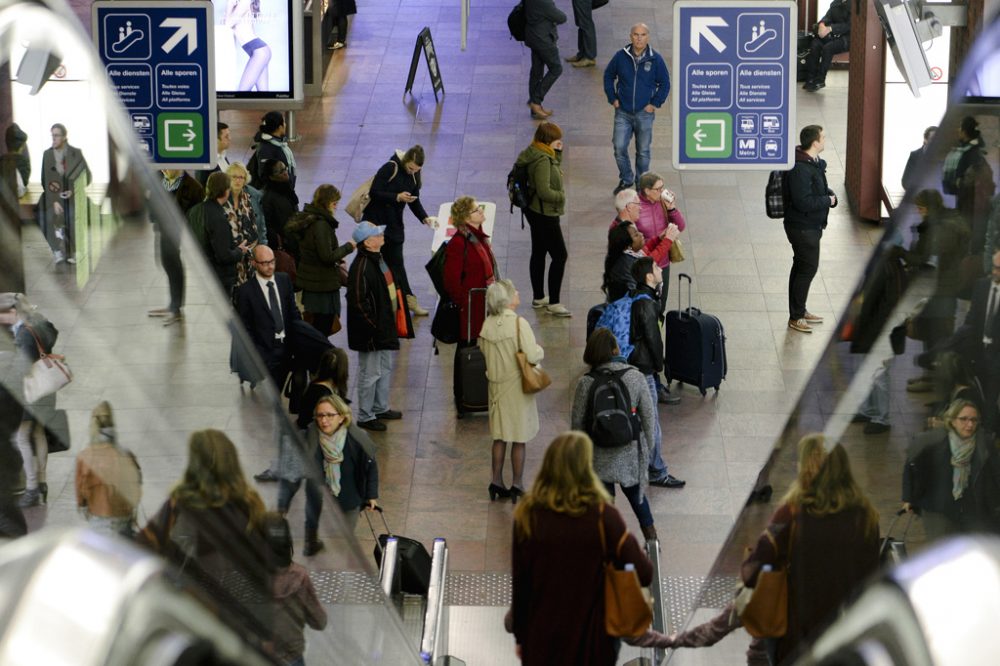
<point x="263" y="261"/>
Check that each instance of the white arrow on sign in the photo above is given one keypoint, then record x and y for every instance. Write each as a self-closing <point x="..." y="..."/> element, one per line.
<point x="186" y="27"/>
<point x="701" y="26"/>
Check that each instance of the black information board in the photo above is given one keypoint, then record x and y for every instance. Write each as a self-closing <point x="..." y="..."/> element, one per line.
<point x="425" y="42"/>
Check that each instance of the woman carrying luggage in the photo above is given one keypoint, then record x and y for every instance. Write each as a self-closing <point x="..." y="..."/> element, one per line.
<point x="348" y="457"/>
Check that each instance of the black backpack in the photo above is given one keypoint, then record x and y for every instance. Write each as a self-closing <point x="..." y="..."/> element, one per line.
<point x="776" y="195"/>
<point x="519" y="189"/>
<point x="517" y="22"/>
<point x="610" y="420"/>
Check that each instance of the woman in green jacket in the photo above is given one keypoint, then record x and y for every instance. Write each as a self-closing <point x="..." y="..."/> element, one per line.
<point x="543" y="159"/>
<point x="317" y="273"/>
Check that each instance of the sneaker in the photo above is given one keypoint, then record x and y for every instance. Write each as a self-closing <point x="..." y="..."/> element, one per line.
<point x="585" y="62"/>
<point x="873" y="428"/>
<point x="812" y="319"/>
<point x="800" y="325"/>
<point x="622" y="185"/>
<point x="389" y="415"/>
<point x="373" y="424"/>
<point x="665" y="397"/>
<point x="668" y="482"/>
<point x="337" y="45"/>
<point x="558" y="310"/>
<point x="59" y="256"/>
<point x="70" y="260"/>
<point x="540" y="302"/>
<point x="265" y="476"/>
<point x="814" y="86"/>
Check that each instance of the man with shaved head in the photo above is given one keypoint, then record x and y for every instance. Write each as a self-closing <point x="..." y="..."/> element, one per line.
<point x="636" y="83"/>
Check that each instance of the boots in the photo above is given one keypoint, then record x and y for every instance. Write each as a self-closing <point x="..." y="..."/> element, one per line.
<point x="313" y="544"/>
<point x="414" y="305"/>
<point x="649" y="532"/>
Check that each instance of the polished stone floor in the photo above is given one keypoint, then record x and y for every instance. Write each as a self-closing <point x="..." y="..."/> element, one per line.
<point x="435" y="468"/>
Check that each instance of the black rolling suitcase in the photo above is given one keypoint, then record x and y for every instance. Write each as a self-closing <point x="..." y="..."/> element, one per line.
<point x="414" y="560"/>
<point x="892" y="551"/>
<point x="696" y="345"/>
<point x="802" y="55"/>
<point x="592" y="316"/>
<point x="472" y="388"/>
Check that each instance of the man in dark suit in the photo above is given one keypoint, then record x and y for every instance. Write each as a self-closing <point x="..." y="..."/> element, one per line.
<point x="913" y="161"/>
<point x="266" y="304"/>
<point x="981" y="337"/>
<point x="62" y="165"/>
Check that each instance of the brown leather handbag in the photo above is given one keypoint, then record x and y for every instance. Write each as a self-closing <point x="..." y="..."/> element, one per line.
<point x="533" y="378"/>
<point x="766" y="613"/>
<point x="627" y="610"/>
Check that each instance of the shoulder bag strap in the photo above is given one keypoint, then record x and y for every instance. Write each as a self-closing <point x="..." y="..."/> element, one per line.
<point x="38" y="342"/>
<point x="517" y="328"/>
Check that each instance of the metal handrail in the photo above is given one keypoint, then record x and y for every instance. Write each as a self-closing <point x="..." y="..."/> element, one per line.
<point x="656" y="592"/>
<point x="387" y="571"/>
<point x="434" y="641"/>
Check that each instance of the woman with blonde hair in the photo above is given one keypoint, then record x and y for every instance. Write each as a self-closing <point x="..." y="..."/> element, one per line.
<point x="557" y="604"/>
<point x="108" y="478"/>
<point x="246" y="219"/>
<point x="212" y="526"/>
<point x="513" y="413"/>
<point x="826" y="535"/>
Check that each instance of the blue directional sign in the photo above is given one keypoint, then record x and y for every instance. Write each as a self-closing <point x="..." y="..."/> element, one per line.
<point x="734" y="100"/>
<point x="159" y="56"/>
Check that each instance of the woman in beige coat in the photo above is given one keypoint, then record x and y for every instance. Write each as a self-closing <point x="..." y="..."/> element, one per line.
<point x="513" y="413"/>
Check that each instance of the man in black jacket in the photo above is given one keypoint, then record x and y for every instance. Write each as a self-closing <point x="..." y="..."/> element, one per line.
<point x="377" y="317"/>
<point x="832" y="36"/>
<point x="644" y="334"/>
<point x="809" y="204"/>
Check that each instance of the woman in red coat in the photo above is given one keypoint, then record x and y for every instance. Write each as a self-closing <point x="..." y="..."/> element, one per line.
<point x="557" y="605"/>
<point x="468" y="264"/>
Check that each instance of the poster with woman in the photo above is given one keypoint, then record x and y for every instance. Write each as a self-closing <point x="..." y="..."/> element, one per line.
<point x="253" y="41"/>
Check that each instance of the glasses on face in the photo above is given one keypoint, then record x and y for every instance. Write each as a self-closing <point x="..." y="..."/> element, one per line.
<point x="327" y="415"/>
<point x="971" y="420"/>
<point x="264" y="263"/>
<point x="657" y="188"/>
<point x="237" y="178"/>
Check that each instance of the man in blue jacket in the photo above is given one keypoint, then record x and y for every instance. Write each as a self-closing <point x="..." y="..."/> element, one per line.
<point x="636" y="83"/>
<point x="809" y="202"/>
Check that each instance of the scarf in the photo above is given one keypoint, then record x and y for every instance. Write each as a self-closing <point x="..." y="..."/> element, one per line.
<point x="241" y="217"/>
<point x="961" y="462"/>
<point x="333" y="455"/>
<point x="172" y="185"/>
<point x="289" y="158"/>
<point x="545" y="148"/>
<point x="489" y="268"/>
<point x="949" y="172"/>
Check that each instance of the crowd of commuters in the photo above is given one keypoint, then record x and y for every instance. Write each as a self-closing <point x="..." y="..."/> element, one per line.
<point x="214" y="523"/>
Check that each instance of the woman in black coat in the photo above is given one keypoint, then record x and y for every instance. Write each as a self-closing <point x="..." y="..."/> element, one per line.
<point x="349" y="465"/>
<point x="395" y="186"/>
<point x="950" y="475"/>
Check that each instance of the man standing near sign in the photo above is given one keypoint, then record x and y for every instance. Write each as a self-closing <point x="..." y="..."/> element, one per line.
<point x="636" y="83"/>
<point x="809" y="202"/>
<point x="62" y="164"/>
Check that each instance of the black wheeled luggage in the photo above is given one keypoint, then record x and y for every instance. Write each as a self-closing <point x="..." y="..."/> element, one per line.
<point x="414" y="560"/>
<point x="695" y="345"/>
<point x="472" y="388"/>
<point x="804" y="43"/>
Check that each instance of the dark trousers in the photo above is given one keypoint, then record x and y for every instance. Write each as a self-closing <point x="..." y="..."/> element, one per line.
<point x="314" y="500"/>
<point x="821" y="53"/>
<point x="586" y="32"/>
<point x="805" y="263"/>
<point x="546" y="239"/>
<point x="170" y="259"/>
<point x="632" y="494"/>
<point x="545" y="69"/>
<point x="392" y="253"/>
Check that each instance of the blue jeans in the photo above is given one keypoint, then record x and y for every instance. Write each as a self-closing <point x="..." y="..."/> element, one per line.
<point x="641" y="508"/>
<point x="657" y="468"/>
<point x="374" y="375"/>
<point x="639" y="123"/>
<point x="314" y="500"/>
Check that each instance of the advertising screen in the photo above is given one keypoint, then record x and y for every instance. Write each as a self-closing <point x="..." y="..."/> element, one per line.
<point x="254" y="41"/>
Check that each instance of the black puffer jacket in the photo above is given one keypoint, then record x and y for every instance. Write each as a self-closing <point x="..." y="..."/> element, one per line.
<point x="371" y="321"/>
<point x="808" y="193"/>
<point x="645" y="333"/>
<point x="384" y="209"/>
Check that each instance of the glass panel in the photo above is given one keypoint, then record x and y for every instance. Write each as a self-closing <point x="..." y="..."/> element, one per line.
<point x="92" y="266"/>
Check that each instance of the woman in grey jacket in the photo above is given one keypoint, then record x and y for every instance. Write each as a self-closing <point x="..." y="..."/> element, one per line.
<point x="624" y="465"/>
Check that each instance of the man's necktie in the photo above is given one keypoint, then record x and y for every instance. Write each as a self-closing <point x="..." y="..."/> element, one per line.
<point x="272" y="297"/>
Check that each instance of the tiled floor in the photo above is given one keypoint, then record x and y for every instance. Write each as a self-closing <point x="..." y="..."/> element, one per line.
<point x="434" y="468"/>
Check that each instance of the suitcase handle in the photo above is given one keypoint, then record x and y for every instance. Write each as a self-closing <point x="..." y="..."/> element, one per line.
<point x="371" y="528"/>
<point x="892" y="526"/>
<point x="468" y="316"/>
<point x="680" y="308"/>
